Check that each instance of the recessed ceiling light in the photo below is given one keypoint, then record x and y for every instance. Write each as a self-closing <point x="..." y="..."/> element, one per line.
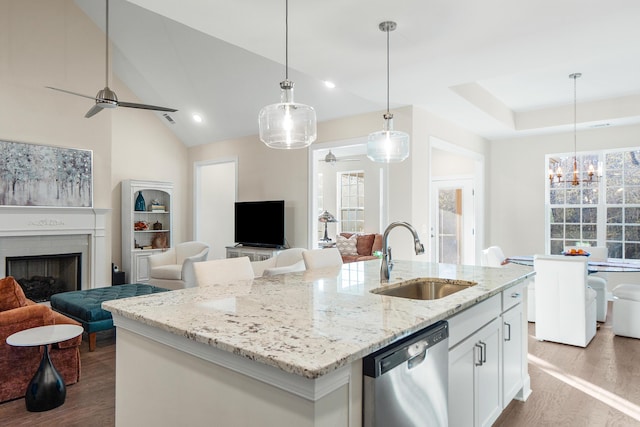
<point x="330" y="85"/>
<point x="197" y="118"/>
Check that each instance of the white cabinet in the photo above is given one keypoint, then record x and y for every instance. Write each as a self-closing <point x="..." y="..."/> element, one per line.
<point x="512" y="373"/>
<point x="474" y="378"/>
<point x="145" y="229"/>
<point x="488" y="358"/>
<point x="254" y="253"/>
<point x="515" y="383"/>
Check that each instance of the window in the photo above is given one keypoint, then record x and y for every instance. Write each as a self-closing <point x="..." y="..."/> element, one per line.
<point x="597" y="214"/>
<point x="351" y="201"/>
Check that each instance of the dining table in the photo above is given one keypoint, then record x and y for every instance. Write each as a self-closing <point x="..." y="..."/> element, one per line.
<point x="609" y="266"/>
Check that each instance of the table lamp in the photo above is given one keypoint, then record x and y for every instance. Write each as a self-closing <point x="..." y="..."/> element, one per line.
<point x="326" y="217"/>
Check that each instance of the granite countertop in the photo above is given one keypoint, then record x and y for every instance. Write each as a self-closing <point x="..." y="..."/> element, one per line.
<point x="313" y="322"/>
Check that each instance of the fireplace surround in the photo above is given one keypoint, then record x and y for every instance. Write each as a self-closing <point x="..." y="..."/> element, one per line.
<point x="37" y="231"/>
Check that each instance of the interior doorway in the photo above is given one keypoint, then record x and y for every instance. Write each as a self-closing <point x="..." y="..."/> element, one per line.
<point x="214" y="198"/>
<point x="456" y="202"/>
<point x="328" y="164"/>
<point x="454" y="221"/>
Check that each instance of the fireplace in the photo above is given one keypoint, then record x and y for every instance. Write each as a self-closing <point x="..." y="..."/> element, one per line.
<point x="27" y="232"/>
<point x="41" y="276"/>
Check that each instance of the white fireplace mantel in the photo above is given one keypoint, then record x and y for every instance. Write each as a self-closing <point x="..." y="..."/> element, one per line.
<point x="46" y="223"/>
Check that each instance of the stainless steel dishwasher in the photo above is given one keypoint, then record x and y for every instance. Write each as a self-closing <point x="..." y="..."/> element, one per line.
<point x="406" y="383"/>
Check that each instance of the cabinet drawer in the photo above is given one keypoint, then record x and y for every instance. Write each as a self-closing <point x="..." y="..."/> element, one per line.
<point x="513" y="296"/>
<point x="467" y="322"/>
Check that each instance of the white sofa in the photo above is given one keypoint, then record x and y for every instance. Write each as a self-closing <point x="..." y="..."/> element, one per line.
<point x="565" y="305"/>
<point x="286" y="261"/>
<point x="173" y="268"/>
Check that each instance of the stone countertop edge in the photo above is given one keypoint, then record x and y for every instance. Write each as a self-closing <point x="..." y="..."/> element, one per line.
<point x="314" y="322"/>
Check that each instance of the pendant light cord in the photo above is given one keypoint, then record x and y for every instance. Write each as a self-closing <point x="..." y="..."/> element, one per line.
<point x="387" y="31"/>
<point x="106" y="48"/>
<point x="575" y="116"/>
<point x="286" y="40"/>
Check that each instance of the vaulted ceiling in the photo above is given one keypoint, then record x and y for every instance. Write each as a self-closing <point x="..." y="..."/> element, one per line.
<point x="498" y="68"/>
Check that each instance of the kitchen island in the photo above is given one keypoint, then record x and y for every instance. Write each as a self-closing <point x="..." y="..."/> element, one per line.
<point x="279" y="350"/>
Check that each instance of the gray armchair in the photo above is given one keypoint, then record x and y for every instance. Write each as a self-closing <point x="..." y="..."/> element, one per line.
<point x="173" y="269"/>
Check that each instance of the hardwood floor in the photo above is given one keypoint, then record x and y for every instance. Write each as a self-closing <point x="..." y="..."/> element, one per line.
<point x="596" y="386"/>
<point x="90" y="402"/>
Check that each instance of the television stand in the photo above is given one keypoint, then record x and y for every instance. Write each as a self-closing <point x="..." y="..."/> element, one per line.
<point x="255" y="253"/>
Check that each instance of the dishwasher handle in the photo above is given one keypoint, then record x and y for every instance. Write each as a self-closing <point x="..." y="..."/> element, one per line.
<point x="412" y="349"/>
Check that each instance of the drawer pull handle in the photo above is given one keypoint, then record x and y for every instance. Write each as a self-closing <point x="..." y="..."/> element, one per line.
<point x="515" y="295"/>
<point x="479" y="360"/>
<point x="508" y="337"/>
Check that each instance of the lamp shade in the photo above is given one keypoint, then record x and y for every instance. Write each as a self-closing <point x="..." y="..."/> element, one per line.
<point x="388" y="145"/>
<point x="287" y="125"/>
<point x="325" y="216"/>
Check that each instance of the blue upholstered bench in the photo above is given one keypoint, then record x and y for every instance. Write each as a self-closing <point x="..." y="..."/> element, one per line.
<point x="86" y="306"/>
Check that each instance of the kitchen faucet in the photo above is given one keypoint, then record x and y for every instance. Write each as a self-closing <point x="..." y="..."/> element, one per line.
<point x="387" y="262"/>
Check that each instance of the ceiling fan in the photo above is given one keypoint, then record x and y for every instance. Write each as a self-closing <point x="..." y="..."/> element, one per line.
<point x="332" y="159"/>
<point x="106" y="98"/>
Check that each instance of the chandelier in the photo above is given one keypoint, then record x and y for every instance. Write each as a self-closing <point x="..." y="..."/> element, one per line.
<point x="593" y="173"/>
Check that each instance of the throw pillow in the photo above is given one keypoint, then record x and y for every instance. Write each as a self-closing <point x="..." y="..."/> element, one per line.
<point x="11" y="295"/>
<point x="365" y="242"/>
<point x="347" y="246"/>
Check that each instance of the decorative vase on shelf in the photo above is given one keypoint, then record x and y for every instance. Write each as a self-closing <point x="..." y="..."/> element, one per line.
<point x="140" y="205"/>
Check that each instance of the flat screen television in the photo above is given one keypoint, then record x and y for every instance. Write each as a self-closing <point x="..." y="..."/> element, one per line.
<point x="260" y="223"/>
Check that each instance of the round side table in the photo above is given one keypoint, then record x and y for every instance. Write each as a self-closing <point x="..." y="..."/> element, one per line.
<point x="46" y="390"/>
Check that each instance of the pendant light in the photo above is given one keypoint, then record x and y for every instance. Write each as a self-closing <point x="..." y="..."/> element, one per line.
<point x="287" y="124"/>
<point x="592" y="174"/>
<point x="388" y="145"/>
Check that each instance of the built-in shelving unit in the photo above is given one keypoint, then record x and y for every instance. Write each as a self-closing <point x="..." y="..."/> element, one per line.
<point x="145" y="229"/>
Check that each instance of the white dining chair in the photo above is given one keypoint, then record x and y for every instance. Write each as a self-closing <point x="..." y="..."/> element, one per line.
<point x="287" y="261"/>
<point x="493" y="257"/>
<point x="565" y="305"/>
<point x="322" y="258"/>
<point x="223" y="271"/>
<point x="597" y="283"/>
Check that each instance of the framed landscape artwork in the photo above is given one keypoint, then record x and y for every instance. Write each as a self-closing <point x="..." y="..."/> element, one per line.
<point x="40" y="175"/>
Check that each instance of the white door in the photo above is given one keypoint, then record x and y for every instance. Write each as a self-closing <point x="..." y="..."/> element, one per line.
<point x="214" y="199"/>
<point x="453" y="232"/>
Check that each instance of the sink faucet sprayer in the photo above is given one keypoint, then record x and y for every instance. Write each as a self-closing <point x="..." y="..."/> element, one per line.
<point x="387" y="262"/>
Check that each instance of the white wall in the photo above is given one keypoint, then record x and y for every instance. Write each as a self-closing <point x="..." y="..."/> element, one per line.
<point x="144" y="148"/>
<point x="40" y="45"/>
<point x="53" y="43"/>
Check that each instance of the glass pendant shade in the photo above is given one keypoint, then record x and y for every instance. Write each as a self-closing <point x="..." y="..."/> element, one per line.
<point x="287" y="125"/>
<point x="388" y="145"/>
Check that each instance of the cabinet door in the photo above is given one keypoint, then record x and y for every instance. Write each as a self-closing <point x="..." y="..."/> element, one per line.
<point x="141" y="268"/>
<point x="489" y="397"/>
<point x="512" y="375"/>
<point x="474" y="378"/>
<point x="462" y="360"/>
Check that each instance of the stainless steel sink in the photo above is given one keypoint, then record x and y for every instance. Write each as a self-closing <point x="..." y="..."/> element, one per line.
<point x="425" y="288"/>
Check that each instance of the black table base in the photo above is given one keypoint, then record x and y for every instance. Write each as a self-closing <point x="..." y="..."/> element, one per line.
<point x="46" y="389"/>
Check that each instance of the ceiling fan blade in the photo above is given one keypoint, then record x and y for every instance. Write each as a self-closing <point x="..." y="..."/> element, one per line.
<point x="72" y="93"/>
<point x="145" y="106"/>
<point x="93" y="111"/>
